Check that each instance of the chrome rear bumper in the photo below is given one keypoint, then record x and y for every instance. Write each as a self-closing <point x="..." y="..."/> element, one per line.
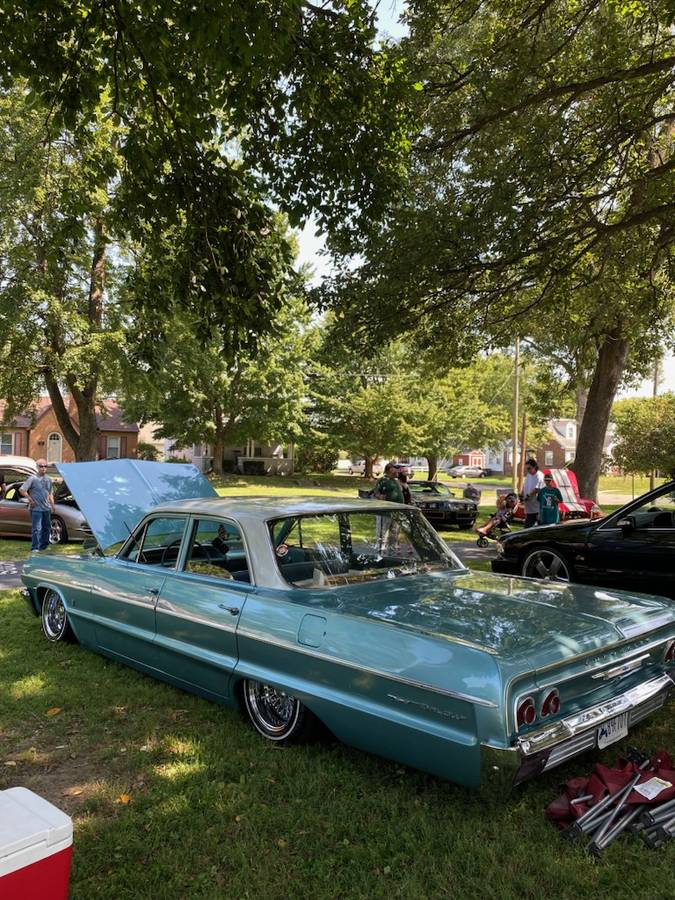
<point x="553" y="745"/>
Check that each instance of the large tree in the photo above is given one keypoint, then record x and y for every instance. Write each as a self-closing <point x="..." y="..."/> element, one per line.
<point x="540" y="192"/>
<point x="197" y="392"/>
<point x="59" y="326"/>
<point x="297" y="91"/>
<point x="645" y="434"/>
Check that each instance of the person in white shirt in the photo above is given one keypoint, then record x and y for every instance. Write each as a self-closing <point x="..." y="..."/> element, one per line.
<point x="534" y="481"/>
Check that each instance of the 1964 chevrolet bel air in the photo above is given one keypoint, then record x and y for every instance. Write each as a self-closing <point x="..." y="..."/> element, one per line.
<point x="353" y="613"/>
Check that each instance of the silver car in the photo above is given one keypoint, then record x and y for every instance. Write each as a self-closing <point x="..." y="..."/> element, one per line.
<point x="68" y="523"/>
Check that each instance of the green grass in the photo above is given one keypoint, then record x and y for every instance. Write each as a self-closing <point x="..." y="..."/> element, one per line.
<point x="213" y="811"/>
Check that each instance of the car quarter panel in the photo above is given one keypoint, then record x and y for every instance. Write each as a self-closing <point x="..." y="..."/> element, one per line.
<point x="376" y="686"/>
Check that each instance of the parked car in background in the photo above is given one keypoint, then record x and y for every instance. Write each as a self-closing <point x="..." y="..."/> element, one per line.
<point x="68" y="523"/>
<point x="573" y="505"/>
<point x="440" y="506"/>
<point x="355" y="614"/>
<point x="359" y="468"/>
<point x="468" y="471"/>
<point x="634" y="548"/>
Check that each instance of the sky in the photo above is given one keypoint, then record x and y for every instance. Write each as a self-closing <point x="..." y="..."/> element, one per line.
<point x="311" y="244"/>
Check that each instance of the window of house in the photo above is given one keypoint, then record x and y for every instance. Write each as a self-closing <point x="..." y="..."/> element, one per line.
<point x="569" y="455"/>
<point x="112" y="450"/>
<point x="6" y="443"/>
<point x="548" y="457"/>
<point x="571" y="431"/>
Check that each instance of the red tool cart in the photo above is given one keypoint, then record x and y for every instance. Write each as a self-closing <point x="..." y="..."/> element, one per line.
<point x="36" y="845"/>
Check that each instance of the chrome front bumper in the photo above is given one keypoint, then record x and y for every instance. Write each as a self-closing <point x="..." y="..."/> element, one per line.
<point x="553" y="745"/>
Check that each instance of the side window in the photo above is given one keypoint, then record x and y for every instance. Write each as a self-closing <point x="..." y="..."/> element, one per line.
<point x="158" y="544"/>
<point x="659" y="512"/>
<point x="217" y="550"/>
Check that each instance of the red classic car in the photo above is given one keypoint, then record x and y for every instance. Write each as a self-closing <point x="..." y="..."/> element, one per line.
<point x="573" y="506"/>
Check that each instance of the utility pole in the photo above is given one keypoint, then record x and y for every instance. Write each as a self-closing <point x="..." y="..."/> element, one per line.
<point x="655" y="391"/>
<point x="514" y="422"/>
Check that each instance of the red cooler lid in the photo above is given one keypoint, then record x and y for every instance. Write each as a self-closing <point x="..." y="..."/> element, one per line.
<point x="27" y="819"/>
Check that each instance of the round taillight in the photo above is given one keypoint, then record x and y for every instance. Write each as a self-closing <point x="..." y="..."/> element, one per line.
<point x="551" y="704"/>
<point x="670" y="652"/>
<point x="527" y="712"/>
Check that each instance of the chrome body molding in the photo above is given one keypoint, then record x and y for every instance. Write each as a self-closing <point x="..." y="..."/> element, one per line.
<point x="446" y="714"/>
<point x="378" y="673"/>
<point x="623" y="669"/>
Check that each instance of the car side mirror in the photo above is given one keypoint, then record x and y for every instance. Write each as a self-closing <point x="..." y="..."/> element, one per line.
<point x="627" y="523"/>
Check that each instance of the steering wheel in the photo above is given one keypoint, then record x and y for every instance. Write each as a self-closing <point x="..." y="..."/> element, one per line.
<point x="168" y="547"/>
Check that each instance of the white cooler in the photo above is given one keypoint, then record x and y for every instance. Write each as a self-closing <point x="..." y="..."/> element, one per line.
<point x="36" y="845"/>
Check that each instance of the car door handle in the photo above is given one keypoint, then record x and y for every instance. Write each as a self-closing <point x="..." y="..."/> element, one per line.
<point x="153" y="591"/>
<point x="233" y="610"/>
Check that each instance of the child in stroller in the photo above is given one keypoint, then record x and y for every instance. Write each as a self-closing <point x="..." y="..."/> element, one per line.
<point x="499" y="521"/>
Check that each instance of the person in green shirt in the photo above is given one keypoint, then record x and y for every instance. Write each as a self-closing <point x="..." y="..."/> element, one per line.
<point x="389" y="487"/>
<point x="549" y="499"/>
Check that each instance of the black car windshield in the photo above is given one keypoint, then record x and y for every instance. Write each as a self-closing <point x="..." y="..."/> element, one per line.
<point x="430" y="487"/>
<point x="333" y="549"/>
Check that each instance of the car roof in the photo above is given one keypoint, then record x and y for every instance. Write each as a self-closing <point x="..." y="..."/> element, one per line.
<point x="264" y="508"/>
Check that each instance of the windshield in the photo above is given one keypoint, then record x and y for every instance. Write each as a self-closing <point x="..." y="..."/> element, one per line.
<point x="345" y="548"/>
<point x="428" y="487"/>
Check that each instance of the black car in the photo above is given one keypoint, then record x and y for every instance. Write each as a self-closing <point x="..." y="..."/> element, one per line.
<point x="633" y="548"/>
<point x="439" y="505"/>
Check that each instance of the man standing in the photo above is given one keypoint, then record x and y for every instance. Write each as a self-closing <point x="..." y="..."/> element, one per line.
<point x="40" y="493"/>
<point x="534" y="482"/>
<point x="550" y="499"/>
<point x="388" y="487"/>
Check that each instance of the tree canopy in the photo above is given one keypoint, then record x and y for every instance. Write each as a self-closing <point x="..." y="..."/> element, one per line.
<point x="645" y="434"/>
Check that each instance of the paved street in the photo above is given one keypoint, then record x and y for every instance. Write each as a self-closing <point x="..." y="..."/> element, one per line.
<point x="9" y="575"/>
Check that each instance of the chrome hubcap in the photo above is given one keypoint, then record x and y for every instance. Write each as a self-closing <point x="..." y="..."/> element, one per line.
<point x="274" y="709"/>
<point x="55" y="534"/>
<point x="545" y="564"/>
<point x="54" y="615"/>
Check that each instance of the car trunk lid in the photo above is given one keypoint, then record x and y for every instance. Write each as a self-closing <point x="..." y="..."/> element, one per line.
<point x="114" y="494"/>
<point x="548" y="622"/>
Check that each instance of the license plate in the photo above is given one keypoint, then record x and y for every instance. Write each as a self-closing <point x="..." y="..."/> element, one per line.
<point x="613" y="730"/>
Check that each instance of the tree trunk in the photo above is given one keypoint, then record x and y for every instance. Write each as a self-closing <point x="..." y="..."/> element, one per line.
<point x="432" y="463"/>
<point x="368" y="466"/>
<point x="606" y="377"/>
<point x="582" y="400"/>
<point x="218" y="443"/>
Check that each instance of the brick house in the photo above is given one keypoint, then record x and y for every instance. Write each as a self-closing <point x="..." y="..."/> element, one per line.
<point x="36" y="433"/>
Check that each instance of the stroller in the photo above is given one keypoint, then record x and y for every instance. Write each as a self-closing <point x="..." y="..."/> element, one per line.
<point x="499" y="522"/>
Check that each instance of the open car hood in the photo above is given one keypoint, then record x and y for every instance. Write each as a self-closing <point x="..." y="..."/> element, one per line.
<point x="114" y="494"/>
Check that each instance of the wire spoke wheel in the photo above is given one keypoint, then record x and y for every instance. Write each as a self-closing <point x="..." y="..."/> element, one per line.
<point x="54" y="617"/>
<point x="277" y="715"/>
<point x="547" y="564"/>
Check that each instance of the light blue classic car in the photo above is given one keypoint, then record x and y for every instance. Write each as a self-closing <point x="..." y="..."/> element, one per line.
<point x="355" y="614"/>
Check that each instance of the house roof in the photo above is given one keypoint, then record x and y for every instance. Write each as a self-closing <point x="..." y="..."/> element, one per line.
<point x="111" y="420"/>
<point x="558" y="428"/>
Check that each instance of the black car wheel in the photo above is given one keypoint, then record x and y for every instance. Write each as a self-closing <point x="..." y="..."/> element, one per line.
<point x="55" y="624"/>
<point x="548" y="564"/>
<point x="58" y="533"/>
<point x="278" y="716"/>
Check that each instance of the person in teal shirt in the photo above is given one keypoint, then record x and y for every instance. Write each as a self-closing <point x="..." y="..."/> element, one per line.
<point x="549" y="499"/>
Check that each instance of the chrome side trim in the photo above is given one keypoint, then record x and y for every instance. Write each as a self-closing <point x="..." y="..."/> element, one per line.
<point x="188" y="617"/>
<point x="379" y="673"/>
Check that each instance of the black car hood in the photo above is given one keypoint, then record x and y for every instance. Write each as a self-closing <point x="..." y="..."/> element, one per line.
<point x="562" y="530"/>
